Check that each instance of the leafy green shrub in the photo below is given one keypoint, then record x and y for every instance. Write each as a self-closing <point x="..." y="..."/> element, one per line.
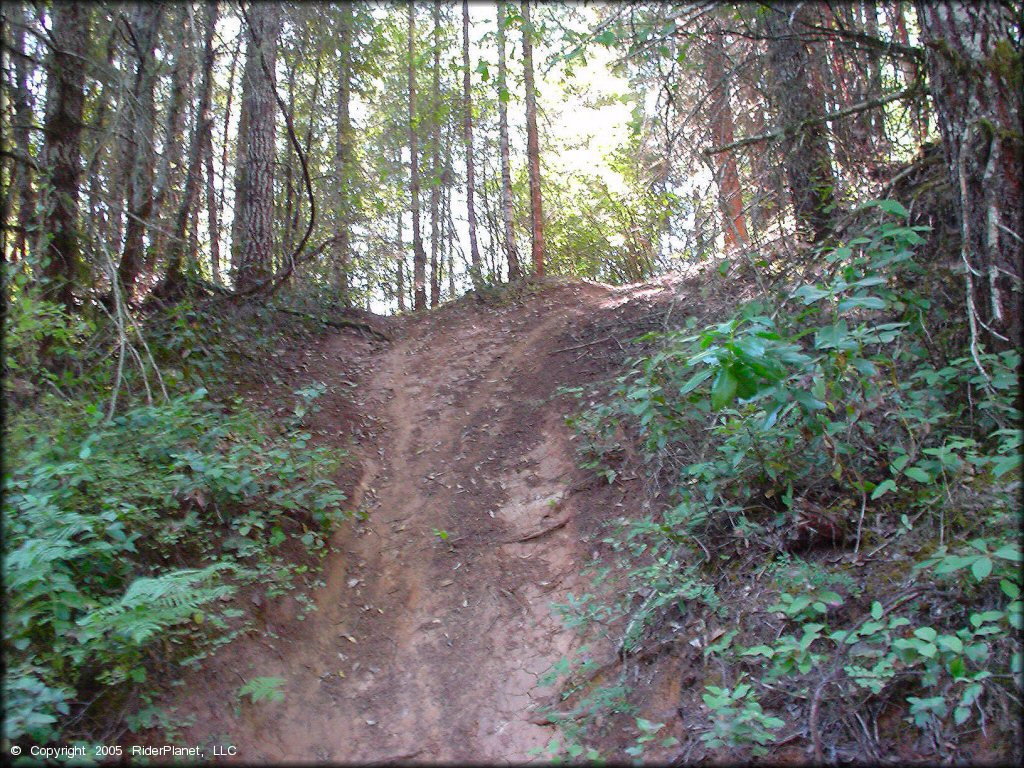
<point x="738" y="719"/>
<point x="263" y="688"/>
<point x="96" y="515"/>
<point x="130" y="520"/>
<point x="829" y="396"/>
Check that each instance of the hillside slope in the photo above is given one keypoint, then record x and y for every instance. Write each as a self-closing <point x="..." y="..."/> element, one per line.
<point x="435" y="626"/>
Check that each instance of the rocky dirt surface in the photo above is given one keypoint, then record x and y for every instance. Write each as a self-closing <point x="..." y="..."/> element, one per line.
<point x="435" y="626"/>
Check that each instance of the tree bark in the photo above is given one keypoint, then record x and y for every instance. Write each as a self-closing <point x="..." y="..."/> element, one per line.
<point x="101" y="171"/>
<point x="467" y="103"/>
<point x="807" y="158"/>
<point x="258" y="140"/>
<point x="447" y="235"/>
<point x="419" y="257"/>
<point x="730" y="197"/>
<point x="343" y="159"/>
<point x="400" y="263"/>
<point x="62" y="148"/>
<point x="435" y="150"/>
<point x="291" y="212"/>
<point x="169" y="175"/>
<point x="508" y="210"/>
<point x="533" y="145"/>
<point x="212" y="208"/>
<point x="201" y="137"/>
<point x="974" y="73"/>
<point x="142" y="31"/>
<point x="235" y="232"/>
<point x="21" y="97"/>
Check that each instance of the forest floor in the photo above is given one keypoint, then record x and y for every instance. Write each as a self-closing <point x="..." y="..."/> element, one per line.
<point x="435" y="625"/>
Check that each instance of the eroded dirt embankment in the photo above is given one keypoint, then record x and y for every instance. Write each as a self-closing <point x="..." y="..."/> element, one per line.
<point x="435" y="625"/>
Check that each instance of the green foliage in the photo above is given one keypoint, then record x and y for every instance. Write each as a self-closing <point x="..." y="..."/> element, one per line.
<point x="596" y="232"/>
<point x="830" y="393"/>
<point x="128" y="531"/>
<point x="648" y="733"/>
<point x="738" y="719"/>
<point x="263" y="689"/>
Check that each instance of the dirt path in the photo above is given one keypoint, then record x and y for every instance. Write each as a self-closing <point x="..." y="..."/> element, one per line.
<point x="435" y="625"/>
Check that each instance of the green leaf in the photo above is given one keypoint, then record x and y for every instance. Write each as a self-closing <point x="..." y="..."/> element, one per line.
<point x="695" y="381"/>
<point x="810" y="294"/>
<point x="950" y="643"/>
<point x="889" y="206"/>
<point x="916" y="473"/>
<point x="982" y="567"/>
<point x="834" y="336"/>
<point x="956" y="667"/>
<point x="723" y="390"/>
<point x="952" y="563"/>
<point x="1010" y="589"/>
<point x="1009" y="552"/>
<point x="925" y="633"/>
<point x="1003" y="464"/>
<point x="807" y="400"/>
<point x="263" y="688"/>
<point x="864" y="302"/>
<point x="881" y="489"/>
<point x="927" y="650"/>
<point x="876" y="610"/>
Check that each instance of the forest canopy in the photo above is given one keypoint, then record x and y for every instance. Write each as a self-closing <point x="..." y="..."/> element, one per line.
<point x="228" y="148"/>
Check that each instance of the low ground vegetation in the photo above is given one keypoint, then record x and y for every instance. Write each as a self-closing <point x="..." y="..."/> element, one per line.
<point x="836" y="472"/>
<point x="139" y="508"/>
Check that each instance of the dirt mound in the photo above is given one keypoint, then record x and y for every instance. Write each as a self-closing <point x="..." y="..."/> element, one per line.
<point x="434" y="626"/>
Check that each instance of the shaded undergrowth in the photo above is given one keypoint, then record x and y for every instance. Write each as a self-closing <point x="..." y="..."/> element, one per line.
<point x="834" y="553"/>
<point x="138" y="507"/>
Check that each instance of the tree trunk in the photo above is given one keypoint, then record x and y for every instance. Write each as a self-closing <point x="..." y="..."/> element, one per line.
<point x="448" y="236"/>
<point x="435" y="150"/>
<point x="235" y="232"/>
<point x="533" y="145"/>
<point x="467" y="105"/>
<point x="102" y="169"/>
<point x="201" y="136"/>
<point x="169" y="176"/>
<point x="213" y="223"/>
<point x="62" y="149"/>
<point x="805" y="148"/>
<point x="258" y="140"/>
<point x="508" y="211"/>
<point x="21" y="97"/>
<point x="143" y="30"/>
<point x="343" y="160"/>
<point x="730" y="197"/>
<point x="419" y="257"/>
<point x="290" y="214"/>
<point x="974" y="73"/>
<point x="400" y="265"/>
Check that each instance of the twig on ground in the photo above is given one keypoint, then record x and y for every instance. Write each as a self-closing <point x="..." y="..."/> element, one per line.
<point x="581" y="346"/>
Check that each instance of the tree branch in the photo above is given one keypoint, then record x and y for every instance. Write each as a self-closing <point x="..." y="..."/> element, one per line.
<point x="783" y="130"/>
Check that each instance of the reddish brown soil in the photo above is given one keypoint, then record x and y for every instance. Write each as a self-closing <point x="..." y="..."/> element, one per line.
<point x="428" y="649"/>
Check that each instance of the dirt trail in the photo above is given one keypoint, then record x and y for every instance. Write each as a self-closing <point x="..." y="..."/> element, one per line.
<point x="426" y="648"/>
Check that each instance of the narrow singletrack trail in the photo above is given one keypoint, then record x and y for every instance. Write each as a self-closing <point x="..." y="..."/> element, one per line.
<point x="435" y="624"/>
